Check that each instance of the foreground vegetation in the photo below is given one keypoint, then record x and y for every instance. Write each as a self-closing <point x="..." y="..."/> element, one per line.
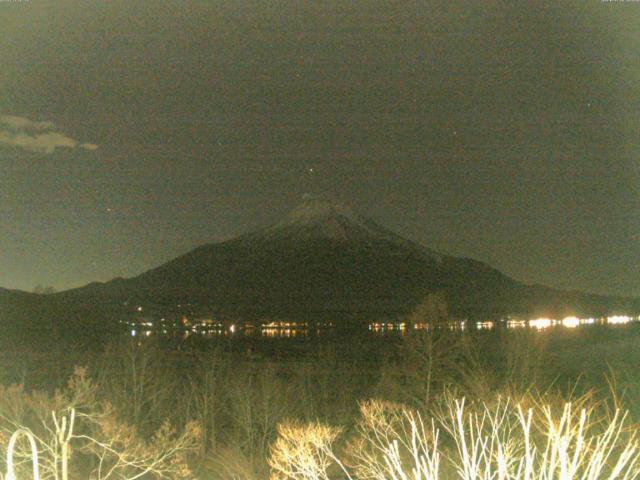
<point x="512" y="405"/>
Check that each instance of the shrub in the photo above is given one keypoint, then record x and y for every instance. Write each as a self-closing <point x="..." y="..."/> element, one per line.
<point x="484" y="441"/>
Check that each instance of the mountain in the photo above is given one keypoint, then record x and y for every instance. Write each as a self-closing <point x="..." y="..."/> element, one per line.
<point x="325" y="258"/>
<point x="321" y="257"/>
<point x="15" y="296"/>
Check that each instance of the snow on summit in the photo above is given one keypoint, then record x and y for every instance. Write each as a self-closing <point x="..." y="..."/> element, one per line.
<point x="319" y="216"/>
<point x="316" y="208"/>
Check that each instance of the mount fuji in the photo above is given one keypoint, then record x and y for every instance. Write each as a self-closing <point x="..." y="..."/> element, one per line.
<point x="325" y="258"/>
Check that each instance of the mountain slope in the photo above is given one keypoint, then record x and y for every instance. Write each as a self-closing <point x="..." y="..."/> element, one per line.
<point x="323" y="257"/>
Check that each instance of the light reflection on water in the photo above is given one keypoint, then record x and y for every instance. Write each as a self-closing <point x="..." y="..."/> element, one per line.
<point x="293" y="329"/>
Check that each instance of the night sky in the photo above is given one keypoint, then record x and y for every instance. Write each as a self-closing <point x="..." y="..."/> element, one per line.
<point x="134" y="131"/>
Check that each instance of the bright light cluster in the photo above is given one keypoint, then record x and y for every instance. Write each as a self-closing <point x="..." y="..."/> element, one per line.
<point x="488" y="325"/>
<point x="570" y="322"/>
<point x="618" y="319"/>
<point x="541" y="323"/>
<point x="516" y="323"/>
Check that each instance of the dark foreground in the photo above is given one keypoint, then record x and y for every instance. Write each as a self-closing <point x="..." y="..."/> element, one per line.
<point x="222" y="400"/>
